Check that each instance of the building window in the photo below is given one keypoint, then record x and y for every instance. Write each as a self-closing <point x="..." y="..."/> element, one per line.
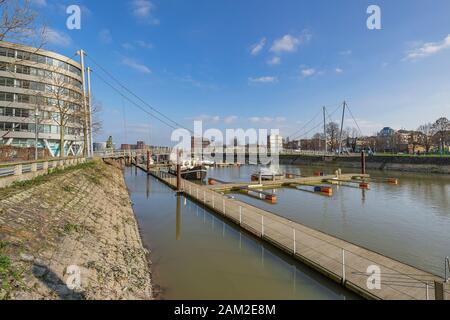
<point x="6" y="82"/>
<point x="5" y="96"/>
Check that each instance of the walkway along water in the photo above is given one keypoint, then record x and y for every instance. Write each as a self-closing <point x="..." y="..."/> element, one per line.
<point x="341" y="261"/>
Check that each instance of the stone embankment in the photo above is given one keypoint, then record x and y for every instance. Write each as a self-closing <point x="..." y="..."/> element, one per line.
<point x="420" y="164"/>
<point x="72" y="235"/>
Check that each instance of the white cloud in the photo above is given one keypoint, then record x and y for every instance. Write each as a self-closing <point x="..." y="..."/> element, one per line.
<point x="199" y="84"/>
<point x="136" y="65"/>
<point x="230" y="119"/>
<point x="267" y="79"/>
<point x="257" y="48"/>
<point x="105" y="36"/>
<point x="428" y="49"/>
<point x="339" y="70"/>
<point x="308" y="72"/>
<point x="215" y="119"/>
<point x="346" y="52"/>
<point x="274" y="61"/>
<point x="144" y="44"/>
<point x="56" y="37"/>
<point x="266" y="120"/>
<point x="207" y="118"/>
<point x="143" y="10"/>
<point x="140" y="43"/>
<point x="39" y="3"/>
<point x="127" y="46"/>
<point x="289" y="43"/>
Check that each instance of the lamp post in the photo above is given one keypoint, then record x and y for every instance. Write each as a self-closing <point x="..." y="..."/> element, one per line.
<point x="36" y="126"/>
<point x="36" y="132"/>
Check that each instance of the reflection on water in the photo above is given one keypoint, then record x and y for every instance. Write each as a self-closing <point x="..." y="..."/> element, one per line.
<point x="197" y="255"/>
<point x="409" y="222"/>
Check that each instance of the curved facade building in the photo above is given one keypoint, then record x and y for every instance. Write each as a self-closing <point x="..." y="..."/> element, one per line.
<point x="40" y="93"/>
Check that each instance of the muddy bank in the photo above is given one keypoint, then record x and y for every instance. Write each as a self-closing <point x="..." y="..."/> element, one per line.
<point x="74" y="227"/>
<point x="389" y="163"/>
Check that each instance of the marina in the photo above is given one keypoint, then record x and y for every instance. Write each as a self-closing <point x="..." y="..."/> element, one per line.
<point x="339" y="260"/>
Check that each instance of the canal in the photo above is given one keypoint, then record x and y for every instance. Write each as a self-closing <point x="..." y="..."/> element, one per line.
<point x="197" y="255"/>
<point x="409" y="222"/>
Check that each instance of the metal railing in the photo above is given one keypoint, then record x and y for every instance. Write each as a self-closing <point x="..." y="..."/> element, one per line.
<point x="20" y="168"/>
<point x="339" y="258"/>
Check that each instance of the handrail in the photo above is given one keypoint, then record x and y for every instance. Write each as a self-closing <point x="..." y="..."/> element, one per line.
<point x="12" y="164"/>
<point x="20" y="168"/>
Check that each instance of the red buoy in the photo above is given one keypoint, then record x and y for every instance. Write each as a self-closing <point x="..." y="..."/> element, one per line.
<point x="272" y="198"/>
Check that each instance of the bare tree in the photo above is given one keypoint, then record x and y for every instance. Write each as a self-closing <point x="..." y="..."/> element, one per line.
<point x="426" y="136"/>
<point x="97" y="123"/>
<point x="94" y="113"/>
<point x="441" y="129"/>
<point x="66" y="102"/>
<point x="333" y="131"/>
<point x="316" y="142"/>
<point x="17" y="19"/>
<point x="20" y="23"/>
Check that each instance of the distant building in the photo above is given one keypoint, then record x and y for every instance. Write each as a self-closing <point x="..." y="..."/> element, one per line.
<point x="140" y="145"/>
<point x="199" y="143"/>
<point x="99" y="146"/>
<point x="126" y="146"/>
<point x="292" y="145"/>
<point x="386" y="132"/>
<point x="275" y="142"/>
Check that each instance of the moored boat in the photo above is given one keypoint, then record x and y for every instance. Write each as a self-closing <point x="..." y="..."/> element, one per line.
<point x="267" y="174"/>
<point x="190" y="170"/>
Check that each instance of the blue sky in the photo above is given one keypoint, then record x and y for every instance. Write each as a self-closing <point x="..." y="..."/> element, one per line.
<point x="261" y="64"/>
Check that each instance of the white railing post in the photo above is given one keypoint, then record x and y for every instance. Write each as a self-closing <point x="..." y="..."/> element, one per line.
<point x="240" y="215"/>
<point x="343" y="266"/>
<point x="213" y="200"/>
<point x="427" y="295"/>
<point x="224" y="206"/>
<point x="18" y="170"/>
<point x="34" y="167"/>
<point x="295" y="244"/>
<point x="262" y="226"/>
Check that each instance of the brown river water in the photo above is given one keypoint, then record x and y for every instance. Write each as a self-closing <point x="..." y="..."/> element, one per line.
<point x="198" y="255"/>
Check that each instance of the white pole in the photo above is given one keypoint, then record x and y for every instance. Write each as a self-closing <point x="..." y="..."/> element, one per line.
<point x="90" y="110"/>
<point x="240" y="215"/>
<point x="223" y="206"/>
<point x="295" y="245"/>
<point x="213" y="200"/>
<point x="343" y="266"/>
<point x="262" y="226"/>
<point x="86" y="121"/>
<point x="427" y="294"/>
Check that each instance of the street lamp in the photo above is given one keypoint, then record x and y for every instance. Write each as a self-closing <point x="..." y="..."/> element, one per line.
<point x="36" y="132"/>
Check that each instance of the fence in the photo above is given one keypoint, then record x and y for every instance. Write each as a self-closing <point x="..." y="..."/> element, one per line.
<point x="355" y="267"/>
<point x="10" y="173"/>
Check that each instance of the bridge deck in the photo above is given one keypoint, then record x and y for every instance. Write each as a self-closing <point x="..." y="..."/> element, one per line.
<point x="339" y="260"/>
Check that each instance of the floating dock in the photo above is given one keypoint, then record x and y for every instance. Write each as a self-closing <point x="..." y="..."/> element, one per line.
<point x="367" y="273"/>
